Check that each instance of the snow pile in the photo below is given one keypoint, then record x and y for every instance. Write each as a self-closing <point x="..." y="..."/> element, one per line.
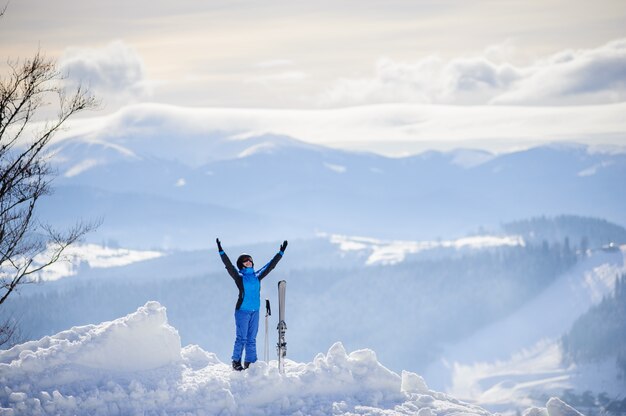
<point x="135" y="365"/>
<point x="140" y="341"/>
<point x="554" y="407"/>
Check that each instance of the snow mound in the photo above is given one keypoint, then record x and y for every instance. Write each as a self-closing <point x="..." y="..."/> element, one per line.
<point x="142" y="340"/>
<point x="554" y="407"/>
<point x="135" y="365"/>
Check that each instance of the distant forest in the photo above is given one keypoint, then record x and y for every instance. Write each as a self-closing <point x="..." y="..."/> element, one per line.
<point x="580" y="232"/>
<point x="601" y="332"/>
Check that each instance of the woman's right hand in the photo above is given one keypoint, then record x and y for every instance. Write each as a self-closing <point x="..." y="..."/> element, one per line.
<point x="219" y="244"/>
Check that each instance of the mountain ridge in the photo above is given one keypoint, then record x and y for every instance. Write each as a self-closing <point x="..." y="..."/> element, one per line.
<point x="313" y="189"/>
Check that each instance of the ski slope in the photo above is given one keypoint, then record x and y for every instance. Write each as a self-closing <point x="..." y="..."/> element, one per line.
<point x="503" y="364"/>
<point x="135" y="365"/>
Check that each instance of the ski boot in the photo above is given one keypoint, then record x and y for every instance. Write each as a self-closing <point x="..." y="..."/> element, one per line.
<point x="237" y="366"/>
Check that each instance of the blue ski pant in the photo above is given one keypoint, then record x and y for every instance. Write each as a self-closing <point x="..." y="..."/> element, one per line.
<point x="247" y="326"/>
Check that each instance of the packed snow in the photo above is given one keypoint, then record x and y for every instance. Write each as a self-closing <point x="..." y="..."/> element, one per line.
<point x="135" y="365"/>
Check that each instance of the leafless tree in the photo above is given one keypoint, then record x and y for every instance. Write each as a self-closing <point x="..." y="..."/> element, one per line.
<point x="27" y="91"/>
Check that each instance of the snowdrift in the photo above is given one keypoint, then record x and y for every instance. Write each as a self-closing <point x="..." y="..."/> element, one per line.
<point x="135" y="365"/>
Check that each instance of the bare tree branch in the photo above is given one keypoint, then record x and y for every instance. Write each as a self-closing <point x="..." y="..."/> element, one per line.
<point x="27" y="246"/>
<point x="10" y="333"/>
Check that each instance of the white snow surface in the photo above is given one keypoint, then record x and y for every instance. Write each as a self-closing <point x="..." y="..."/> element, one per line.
<point x="92" y="255"/>
<point x="135" y="365"/>
<point x="395" y="251"/>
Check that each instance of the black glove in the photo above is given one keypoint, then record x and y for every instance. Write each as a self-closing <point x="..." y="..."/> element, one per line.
<point x="219" y="245"/>
<point x="283" y="246"/>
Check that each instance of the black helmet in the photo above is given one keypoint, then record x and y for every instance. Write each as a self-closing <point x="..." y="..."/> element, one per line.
<point x="243" y="257"/>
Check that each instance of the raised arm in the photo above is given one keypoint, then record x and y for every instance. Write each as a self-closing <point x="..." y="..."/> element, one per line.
<point x="264" y="271"/>
<point x="229" y="265"/>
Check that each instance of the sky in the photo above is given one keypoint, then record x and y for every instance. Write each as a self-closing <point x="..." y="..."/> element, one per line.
<point x="331" y="55"/>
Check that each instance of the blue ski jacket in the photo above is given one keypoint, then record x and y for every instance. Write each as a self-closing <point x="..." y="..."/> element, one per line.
<point x="248" y="281"/>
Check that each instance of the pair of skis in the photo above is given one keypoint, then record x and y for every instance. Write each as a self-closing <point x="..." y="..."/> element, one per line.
<point x="281" y="346"/>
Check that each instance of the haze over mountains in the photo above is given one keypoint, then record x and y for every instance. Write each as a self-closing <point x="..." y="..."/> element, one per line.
<point x="162" y="179"/>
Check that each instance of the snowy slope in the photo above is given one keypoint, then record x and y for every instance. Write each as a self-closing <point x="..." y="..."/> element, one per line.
<point x="504" y="364"/>
<point x="136" y="365"/>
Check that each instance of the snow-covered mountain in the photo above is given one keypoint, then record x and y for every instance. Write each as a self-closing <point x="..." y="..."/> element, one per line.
<point x="518" y="358"/>
<point x="161" y="177"/>
<point x="136" y="365"/>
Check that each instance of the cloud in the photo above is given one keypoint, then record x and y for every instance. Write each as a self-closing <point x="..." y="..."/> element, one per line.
<point x="115" y="70"/>
<point x="591" y="76"/>
<point x="430" y="80"/>
<point x="475" y="80"/>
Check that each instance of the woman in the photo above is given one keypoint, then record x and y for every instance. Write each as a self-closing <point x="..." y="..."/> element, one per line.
<point x="248" y="282"/>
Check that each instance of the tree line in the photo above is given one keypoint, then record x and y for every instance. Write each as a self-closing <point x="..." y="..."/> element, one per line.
<point x="600" y="333"/>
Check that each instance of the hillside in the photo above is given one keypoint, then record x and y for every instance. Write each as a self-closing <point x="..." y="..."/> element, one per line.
<point x="519" y="358"/>
<point x="580" y="232"/>
<point x="600" y="334"/>
<point x="136" y="365"/>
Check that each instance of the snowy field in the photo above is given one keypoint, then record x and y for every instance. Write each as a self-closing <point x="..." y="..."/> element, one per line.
<point x="135" y="365"/>
<point x="90" y="255"/>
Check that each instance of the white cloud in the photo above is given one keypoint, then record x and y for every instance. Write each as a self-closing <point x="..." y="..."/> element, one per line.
<point x="429" y="80"/>
<point x="475" y="80"/>
<point x="116" y="70"/>
<point x="393" y="82"/>
<point x="590" y="76"/>
<point x="587" y="76"/>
